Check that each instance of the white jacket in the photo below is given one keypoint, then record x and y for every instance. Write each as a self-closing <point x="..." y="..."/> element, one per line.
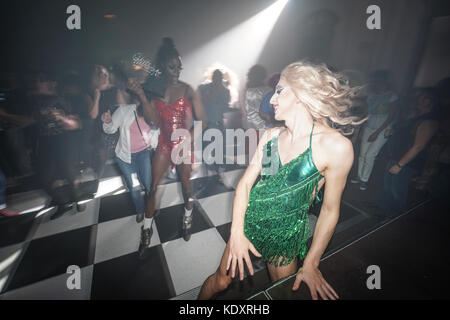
<point x="122" y="119"/>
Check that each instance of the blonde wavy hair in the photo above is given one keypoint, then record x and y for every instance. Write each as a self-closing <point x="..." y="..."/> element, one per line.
<point x="325" y="94"/>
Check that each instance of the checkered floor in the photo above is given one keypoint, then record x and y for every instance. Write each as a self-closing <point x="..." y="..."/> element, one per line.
<point x="103" y="241"/>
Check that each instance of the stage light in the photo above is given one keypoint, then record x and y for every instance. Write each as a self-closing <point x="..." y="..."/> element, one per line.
<point x="238" y="48"/>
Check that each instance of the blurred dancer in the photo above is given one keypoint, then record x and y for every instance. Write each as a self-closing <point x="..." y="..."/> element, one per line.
<point x="255" y="91"/>
<point x="266" y="111"/>
<point x="381" y="103"/>
<point x="216" y="100"/>
<point x="408" y="146"/>
<point x="3" y="209"/>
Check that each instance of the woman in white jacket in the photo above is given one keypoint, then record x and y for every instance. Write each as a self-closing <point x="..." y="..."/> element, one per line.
<point x="133" y="148"/>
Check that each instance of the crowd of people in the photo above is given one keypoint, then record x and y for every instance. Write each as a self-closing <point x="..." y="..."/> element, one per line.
<point x="53" y="127"/>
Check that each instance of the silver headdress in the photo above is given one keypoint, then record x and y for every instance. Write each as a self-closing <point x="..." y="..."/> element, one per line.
<point x="141" y="63"/>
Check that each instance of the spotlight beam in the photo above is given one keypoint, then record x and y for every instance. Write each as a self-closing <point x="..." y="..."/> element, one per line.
<point x="238" y="48"/>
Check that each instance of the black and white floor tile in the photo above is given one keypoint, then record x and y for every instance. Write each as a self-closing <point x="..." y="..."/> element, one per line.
<point x="103" y="241"/>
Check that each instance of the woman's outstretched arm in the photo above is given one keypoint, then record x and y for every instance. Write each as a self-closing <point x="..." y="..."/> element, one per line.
<point x="337" y="155"/>
<point x="239" y="244"/>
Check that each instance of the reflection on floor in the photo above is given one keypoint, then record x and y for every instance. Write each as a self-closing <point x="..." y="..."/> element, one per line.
<point x="103" y="240"/>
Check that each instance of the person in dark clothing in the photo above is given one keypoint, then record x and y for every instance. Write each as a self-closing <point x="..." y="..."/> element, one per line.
<point x="266" y="111"/>
<point x="16" y="151"/>
<point x="100" y="97"/>
<point x="439" y="186"/>
<point x="412" y="136"/>
<point x="70" y="90"/>
<point x="216" y="100"/>
<point x="55" y="152"/>
<point x="3" y="207"/>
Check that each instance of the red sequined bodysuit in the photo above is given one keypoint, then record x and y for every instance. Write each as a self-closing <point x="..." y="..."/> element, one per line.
<point x="173" y="116"/>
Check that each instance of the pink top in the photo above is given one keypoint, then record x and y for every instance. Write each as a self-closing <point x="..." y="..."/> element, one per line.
<point x="137" y="143"/>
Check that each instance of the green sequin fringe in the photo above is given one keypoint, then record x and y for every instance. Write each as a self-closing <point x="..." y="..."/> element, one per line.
<point x="276" y="221"/>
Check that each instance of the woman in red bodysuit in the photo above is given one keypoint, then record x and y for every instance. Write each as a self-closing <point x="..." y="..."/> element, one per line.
<point x="176" y="112"/>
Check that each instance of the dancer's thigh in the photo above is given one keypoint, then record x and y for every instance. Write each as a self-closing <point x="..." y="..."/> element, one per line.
<point x="160" y="166"/>
<point x="277" y="273"/>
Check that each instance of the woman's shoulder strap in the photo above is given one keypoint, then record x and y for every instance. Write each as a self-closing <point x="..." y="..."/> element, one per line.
<point x="281" y="131"/>
<point x="310" y="135"/>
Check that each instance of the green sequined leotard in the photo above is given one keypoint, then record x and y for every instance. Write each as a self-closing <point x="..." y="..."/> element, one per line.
<point x="276" y="220"/>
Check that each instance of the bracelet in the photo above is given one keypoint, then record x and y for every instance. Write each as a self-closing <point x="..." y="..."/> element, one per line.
<point x="398" y="165"/>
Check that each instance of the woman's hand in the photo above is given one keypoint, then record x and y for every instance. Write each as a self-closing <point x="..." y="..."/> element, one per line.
<point x="97" y="95"/>
<point x="106" y="117"/>
<point x="57" y="114"/>
<point x="395" y="169"/>
<point x="239" y="247"/>
<point x="70" y="122"/>
<point x="316" y="283"/>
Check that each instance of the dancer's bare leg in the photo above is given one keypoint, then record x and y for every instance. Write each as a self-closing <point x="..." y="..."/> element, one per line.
<point x="184" y="172"/>
<point x="159" y="170"/>
<point x="277" y="273"/>
<point x="218" y="281"/>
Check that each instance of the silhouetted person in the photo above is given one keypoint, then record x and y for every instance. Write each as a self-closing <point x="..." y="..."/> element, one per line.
<point x="381" y="107"/>
<point x="412" y="136"/>
<point x="255" y="90"/>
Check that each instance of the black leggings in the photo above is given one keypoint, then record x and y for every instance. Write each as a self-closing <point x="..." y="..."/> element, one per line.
<point x="56" y="156"/>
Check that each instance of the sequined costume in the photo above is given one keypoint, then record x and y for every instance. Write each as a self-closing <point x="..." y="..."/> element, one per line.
<point x="173" y="116"/>
<point x="253" y="98"/>
<point x="276" y="221"/>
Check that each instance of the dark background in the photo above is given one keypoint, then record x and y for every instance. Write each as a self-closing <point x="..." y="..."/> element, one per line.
<point x="34" y="33"/>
